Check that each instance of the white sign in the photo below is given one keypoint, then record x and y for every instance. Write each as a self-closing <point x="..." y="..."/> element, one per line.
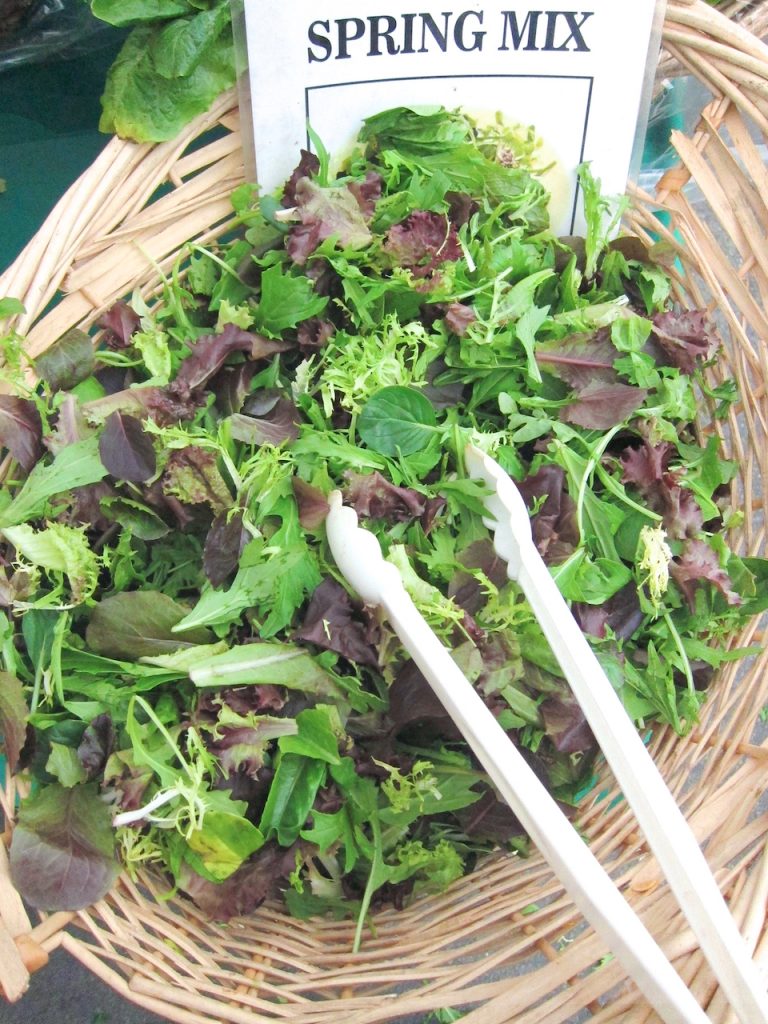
<point x="576" y="76"/>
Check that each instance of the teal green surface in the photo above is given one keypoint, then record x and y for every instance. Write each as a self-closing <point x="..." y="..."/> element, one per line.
<point x="49" y="115"/>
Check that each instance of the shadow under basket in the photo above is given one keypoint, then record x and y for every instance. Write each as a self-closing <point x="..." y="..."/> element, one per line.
<point x="108" y="235"/>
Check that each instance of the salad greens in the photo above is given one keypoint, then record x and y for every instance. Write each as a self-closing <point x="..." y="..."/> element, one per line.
<point x="186" y="681"/>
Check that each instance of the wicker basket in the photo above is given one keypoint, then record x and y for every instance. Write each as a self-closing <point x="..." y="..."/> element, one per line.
<point x="457" y="949"/>
<point x="749" y="14"/>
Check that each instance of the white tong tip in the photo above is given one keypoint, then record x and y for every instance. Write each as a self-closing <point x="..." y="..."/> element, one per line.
<point x="357" y="553"/>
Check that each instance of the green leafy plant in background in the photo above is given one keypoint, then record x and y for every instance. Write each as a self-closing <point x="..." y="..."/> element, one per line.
<point x="178" y="58"/>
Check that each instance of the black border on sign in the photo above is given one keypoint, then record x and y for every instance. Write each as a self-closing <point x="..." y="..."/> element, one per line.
<point x="413" y="78"/>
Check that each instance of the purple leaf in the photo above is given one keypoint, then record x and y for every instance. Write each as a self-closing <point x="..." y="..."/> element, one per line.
<point x="621" y="613"/>
<point x="581" y="359"/>
<point x="413" y="705"/>
<point x="231" y="386"/>
<point x="554" y="525"/>
<point x="243" y="700"/>
<point x="21" y="430"/>
<point x="223" y="545"/>
<point x="325" y="213"/>
<point x="67" y="362"/>
<point x="161" y="405"/>
<point x="465" y="590"/>
<point x="71" y="426"/>
<point x="646" y="468"/>
<point x="489" y="818"/>
<point x="312" y="503"/>
<point x="683" y="338"/>
<point x="330" y="623"/>
<point x="313" y="334"/>
<point x="367" y="193"/>
<point x="262" y="877"/>
<point x="139" y="624"/>
<point x="276" y="427"/>
<point x="374" y="497"/>
<point x="565" y="724"/>
<point x="461" y="207"/>
<point x="307" y="167"/>
<point x="13" y="717"/>
<point x="698" y="562"/>
<point x="62" y="853"/>
<point x="192" y="476"/>
<point x="458" y="318"/>
<point x="119" y="323"/>
<point x="125" y="450"/>
<point x="422" y="242"/>
<point x="211" y="351"/>
<point x="96" y="745"/>
<point x="600" y="406"/>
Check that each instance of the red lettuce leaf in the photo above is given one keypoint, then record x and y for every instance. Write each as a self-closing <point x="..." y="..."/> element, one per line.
<point x="581" y="359"/>
<point x="279" y="425"/>
<point x="192" y="476"/>
<point x="67" y="362"/>
<point x="139" y="624"/>
<point x="231" y="386"/>
<point x="683" y="338"/>
<point x="330" y="622"/>
<point x="697" y="563"/>
<point x="367" y="193"/>
<point x="490" y="819"/>
<point x="459" y="317"/>
<point x="464" y="589"/>
<point x="307" y="167"/>
<point x="621" y="613"/>
<point x="312" y="503"/>
<point x="600" y="405"/>
<point x="13" y="717"/>
<point x="554" y="529"/>
<point x="422" y="242"/>
<point x="62" y="852"/>
<point x="461" y="207"/>
<point x="565" y="724"/>
<point x="159" y="404"/>
<point x="96" y="745"/>
<point x="21" y="430"/>
<point x="374" y="497"/>
<point x="119" y="323"/>
<point x="313" y="334"/>
<point x="646" y="467"/>
<point x="223" y="546"/>
<point x="211" y="351"/>
<point x="414" y="708"/>
<point x="261" y="878"/>
<point x="126" y="450"/>
<point x="332" y="212"/>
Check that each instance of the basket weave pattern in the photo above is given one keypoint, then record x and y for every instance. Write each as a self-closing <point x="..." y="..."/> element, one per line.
<point x="108" y="235"/>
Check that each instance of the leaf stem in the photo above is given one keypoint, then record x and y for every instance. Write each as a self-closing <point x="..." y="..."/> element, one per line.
<point x="678" y="641"/>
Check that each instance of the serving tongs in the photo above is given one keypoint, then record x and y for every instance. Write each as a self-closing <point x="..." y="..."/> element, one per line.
<point x="359" y="558"/>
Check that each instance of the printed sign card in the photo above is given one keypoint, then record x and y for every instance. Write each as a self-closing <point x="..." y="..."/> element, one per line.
<point x="576" y="76"/>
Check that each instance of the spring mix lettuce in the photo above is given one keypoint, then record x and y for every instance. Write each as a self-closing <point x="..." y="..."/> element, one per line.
<point x="186" y="681"/>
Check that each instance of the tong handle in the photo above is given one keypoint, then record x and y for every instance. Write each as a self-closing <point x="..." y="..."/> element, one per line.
<point x="588" y="884"/>
<point x="358" y="556"/>
<point x="665" y="827"/>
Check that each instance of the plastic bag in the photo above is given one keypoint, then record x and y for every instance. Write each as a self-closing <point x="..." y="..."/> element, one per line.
<point x="34" y="30"/>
